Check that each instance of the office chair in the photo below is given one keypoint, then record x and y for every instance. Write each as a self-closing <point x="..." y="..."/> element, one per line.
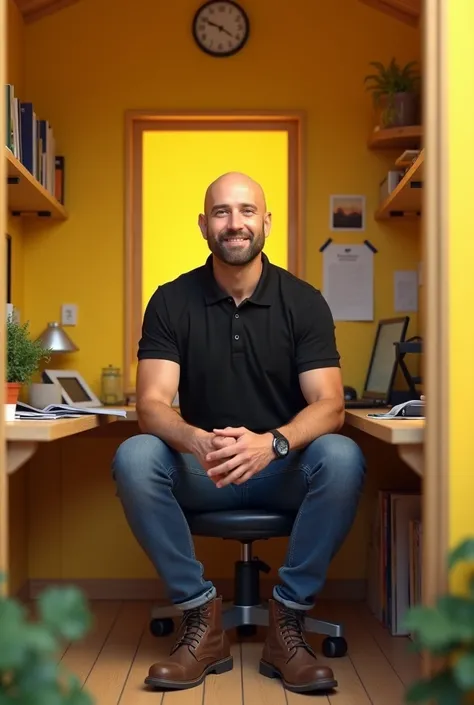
<point x="247" y="610"/>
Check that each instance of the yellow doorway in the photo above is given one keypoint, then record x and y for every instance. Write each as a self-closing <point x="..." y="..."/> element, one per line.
<point x="170" y="161"/>
<point x="178" y="165"/>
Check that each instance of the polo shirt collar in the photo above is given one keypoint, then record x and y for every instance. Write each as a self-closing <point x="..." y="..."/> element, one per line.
<point x="262" y="296"/>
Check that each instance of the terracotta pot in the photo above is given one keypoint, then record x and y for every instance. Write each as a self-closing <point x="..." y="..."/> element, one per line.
<point x="12" y="392"/>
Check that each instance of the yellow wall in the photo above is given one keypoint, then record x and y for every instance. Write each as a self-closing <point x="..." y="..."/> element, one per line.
<point x="177" y="168"/>
<point x="461" y="285"/>
<point x="143" y="56"/>
<point x="130" y="63"/>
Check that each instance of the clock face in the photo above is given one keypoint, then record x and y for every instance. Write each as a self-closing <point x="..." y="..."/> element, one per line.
<point x="221" y="27"/>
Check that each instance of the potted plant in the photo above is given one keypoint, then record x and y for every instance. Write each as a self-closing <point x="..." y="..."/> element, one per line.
<point x="22" y="360"/>
<point x="29" y="671"/>
<point x="447" y="631"/>
<point x="395" y="91"/>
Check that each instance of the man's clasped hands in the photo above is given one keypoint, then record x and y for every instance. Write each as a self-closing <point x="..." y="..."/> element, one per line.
<point x="233" y="455"/>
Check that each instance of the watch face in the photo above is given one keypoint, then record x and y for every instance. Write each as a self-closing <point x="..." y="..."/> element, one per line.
<point x="281" y="446"/>
<point x="221" y="27"/>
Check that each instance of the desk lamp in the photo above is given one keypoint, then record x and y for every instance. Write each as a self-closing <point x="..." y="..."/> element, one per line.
<point x="56" y="339"/>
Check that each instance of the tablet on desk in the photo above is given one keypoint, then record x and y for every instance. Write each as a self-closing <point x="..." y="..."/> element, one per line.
<point x="74" y="389"/>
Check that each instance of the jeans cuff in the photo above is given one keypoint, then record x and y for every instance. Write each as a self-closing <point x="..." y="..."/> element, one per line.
<point x="288" y="603"/>
<point x="197" y="601"/>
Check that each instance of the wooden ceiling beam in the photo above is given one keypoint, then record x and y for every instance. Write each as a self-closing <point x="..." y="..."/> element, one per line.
<point x="33" y="10"/>
<point x="408" y="11"/>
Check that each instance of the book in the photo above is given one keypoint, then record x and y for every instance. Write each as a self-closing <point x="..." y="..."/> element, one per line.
<point x="395" y="558"/>
<point x="63" y="411"/>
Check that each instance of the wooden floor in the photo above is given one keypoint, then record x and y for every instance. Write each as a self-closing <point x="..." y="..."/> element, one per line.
<point x="114" y="659"/>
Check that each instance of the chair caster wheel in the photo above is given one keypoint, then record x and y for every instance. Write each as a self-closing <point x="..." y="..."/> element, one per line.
<point x="246" y="630"/>
<point x="334" y="647"/>
<point x="161" y="627"/>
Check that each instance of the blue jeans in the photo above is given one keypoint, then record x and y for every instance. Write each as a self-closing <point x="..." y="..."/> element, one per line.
<point x="320" y="484"/>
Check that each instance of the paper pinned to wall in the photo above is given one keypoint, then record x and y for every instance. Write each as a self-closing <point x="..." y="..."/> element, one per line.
<point x="348" y="272"/>
<point x="405" y="284"/>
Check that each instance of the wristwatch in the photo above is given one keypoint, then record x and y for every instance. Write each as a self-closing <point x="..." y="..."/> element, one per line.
<point x="280" y="444"/>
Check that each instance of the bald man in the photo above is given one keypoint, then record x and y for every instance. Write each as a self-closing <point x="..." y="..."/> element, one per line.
<point x="251" y="350"/>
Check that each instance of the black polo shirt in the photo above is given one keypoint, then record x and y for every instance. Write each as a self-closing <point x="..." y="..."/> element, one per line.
<point x="239" y="366"/>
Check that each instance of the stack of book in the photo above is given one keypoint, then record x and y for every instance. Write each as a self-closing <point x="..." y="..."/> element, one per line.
<point x="394" y="575"/>
<point x="31" y="140"/>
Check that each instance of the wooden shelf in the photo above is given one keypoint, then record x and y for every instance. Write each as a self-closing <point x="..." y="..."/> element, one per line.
<point x="26" y="196"/>
<point x="406" y="199"/>
<point x="396" y="138"/>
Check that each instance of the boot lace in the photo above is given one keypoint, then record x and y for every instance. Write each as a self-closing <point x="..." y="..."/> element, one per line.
<point x="193" y="626"/>
<point x="291" y="628"/>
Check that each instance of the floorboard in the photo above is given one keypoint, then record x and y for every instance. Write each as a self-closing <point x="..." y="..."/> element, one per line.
<point x="114" y="658"/>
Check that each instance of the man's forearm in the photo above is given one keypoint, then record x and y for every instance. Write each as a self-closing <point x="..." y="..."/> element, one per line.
<point x="165" y="422"/>
<point x="318" y="418"/>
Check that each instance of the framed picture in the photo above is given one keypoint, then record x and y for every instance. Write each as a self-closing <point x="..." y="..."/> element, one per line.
<point x="74" y="389"/>
<point x="347" y="213"/>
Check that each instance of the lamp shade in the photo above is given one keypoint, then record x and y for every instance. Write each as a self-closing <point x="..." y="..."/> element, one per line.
<point x="56" y="339"/>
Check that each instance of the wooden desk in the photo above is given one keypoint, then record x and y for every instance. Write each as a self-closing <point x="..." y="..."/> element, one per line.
<point x="23" y="436"/>
<point x="407" y="434"/>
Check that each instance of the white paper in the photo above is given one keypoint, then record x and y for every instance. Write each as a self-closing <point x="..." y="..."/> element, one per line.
<point x="349" y="281"/>
<point x="406" y="290"/>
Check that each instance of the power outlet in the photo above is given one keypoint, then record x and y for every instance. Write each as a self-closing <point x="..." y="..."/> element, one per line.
<point x="69" y="314"/>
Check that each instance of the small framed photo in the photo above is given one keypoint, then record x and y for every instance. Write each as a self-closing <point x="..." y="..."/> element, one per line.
<point x="74" y="389"/>
<point x="347" y="213"/>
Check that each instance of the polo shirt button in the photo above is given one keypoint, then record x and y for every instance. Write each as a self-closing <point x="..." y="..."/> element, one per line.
<point x="236" y="315"/>
<point x="236" y="337"/>
<point x="230" y="300"/>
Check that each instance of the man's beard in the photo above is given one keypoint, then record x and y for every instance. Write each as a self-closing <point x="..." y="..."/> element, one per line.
<point x="237" y="256"/>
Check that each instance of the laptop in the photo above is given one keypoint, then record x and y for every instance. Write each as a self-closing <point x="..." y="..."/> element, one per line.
<point x="382" y="366"/>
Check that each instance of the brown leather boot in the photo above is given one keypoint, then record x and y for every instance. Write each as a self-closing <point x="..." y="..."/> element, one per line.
<point x="201" y="647"/>
<point x="286" y="654"/>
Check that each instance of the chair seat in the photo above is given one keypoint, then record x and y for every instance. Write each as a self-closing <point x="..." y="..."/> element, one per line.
<point x="241" y="524"/>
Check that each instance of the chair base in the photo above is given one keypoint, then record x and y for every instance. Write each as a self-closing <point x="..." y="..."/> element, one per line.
<point x="248" y="611"/>
<point x="257" y="615"/>
<point x="245" y="620"/>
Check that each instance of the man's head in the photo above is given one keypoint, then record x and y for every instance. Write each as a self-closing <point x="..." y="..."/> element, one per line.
<point x="235" y="221"/>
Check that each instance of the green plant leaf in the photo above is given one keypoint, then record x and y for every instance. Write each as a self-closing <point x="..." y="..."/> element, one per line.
<point x="392" y="79"/>
<point x="12" y="645"/>
<point x="464" y="552"/>
<point x="459" y="610"/>
<point x="65" y="610"/>
<point x="463" y="671"/>
<point x="38" y="638"/>
<point x="441" y="688"/>
<point x="23" y="354"/>
<point x="77" y="696"/>
<point x="434" y="629"/>
<point x="44" y="696"/>
<point x="38" y="675"/>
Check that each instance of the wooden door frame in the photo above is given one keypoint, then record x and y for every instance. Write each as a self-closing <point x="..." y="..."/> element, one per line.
<point x="3" y="225"/>
<point x="139" y="121"/>
<point x="435" y="250"/>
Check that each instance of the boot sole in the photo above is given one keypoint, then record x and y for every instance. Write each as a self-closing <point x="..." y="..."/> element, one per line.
<point x="218" y="668"/>
<point x="269" y="671"/>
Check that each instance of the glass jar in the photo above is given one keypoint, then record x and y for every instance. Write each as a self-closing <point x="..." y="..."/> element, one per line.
<point x="111" y="386"/>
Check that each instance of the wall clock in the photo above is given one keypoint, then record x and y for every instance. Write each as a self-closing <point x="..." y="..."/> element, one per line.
<point x="221" y="27"/>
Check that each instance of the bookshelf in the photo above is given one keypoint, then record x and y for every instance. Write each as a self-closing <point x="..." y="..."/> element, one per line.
<point x="405" y="201"/>
<point x="26" y="196"/>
